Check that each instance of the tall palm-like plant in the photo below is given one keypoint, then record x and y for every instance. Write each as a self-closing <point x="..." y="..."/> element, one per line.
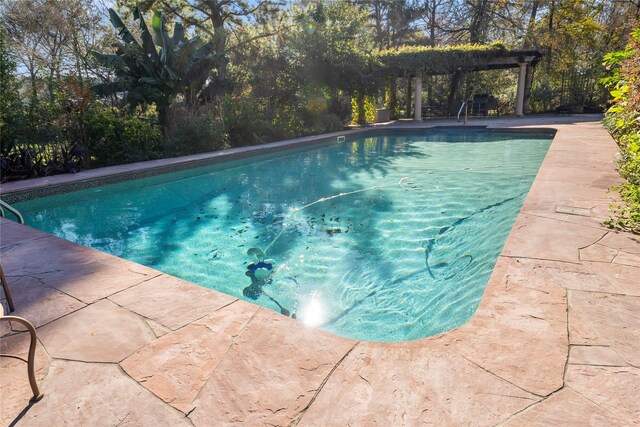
<point x="158" y="67"/>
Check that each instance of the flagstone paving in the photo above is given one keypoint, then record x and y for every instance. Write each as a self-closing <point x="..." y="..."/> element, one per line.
<point x="555" y="340"/>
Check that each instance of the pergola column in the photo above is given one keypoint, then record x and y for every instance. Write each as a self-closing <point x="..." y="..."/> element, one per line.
<point x="522" y="77"/>
<point x="408" y="100"/>
<point x="418" y="97"/>
<point x="527" y="89"/>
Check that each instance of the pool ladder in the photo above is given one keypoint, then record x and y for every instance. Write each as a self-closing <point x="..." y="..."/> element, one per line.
<point x="463" y="106"/>
<point x="7" y="206"/>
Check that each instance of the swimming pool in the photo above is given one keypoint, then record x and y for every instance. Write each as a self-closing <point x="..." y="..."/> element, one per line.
<point x="388" y="237"/>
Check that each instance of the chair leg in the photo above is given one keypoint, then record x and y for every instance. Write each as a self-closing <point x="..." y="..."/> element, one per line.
<point x="7" y="293"/>
<point x="32" y="355"/>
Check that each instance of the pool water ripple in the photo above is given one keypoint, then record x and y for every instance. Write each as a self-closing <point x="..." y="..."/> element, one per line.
<point x="398" y="241"/>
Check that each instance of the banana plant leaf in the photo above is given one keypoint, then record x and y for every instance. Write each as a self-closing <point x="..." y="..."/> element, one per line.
<point x="178" y="34"/>
<point x="108" y="60"/>
<point x="147" y="39"/>
<point x="110" y="88"/>
<point x="122" y="29"/>
<point x="156" y="67"/>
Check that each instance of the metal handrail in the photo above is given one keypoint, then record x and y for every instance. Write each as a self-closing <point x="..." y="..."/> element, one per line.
<point x="11" y="209"/>
<point x="464" y="104"/>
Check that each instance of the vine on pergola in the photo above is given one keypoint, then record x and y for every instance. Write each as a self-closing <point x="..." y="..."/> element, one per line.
<point x="439" y="60"/>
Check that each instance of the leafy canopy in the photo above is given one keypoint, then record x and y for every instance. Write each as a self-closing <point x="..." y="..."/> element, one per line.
<point x="159" y="67"/>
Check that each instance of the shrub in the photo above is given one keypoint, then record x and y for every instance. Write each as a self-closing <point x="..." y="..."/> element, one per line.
<point x="36" y="142"/>
<point x="116" y="137"/>
<point x="243" y="123"/>
<point x="286" y="123"/>
<point x="193" y="130"/>
<point x="369" y="109"/>
<point x="623" y="121"/>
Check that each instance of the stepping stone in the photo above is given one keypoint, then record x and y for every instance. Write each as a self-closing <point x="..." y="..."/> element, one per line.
<point x="413" y="385"/>
<point x="614" y="389"/>
<point x="95" y="280"/>
<point x="271" y="373"/>
<point x="98" y="394"/>
<point x="39" y="303"/>
<point x="100" y="332"/>
<point x="170" y="301"/>
<point x="564" y="408"/>
<point x="595" y="355"/>
<point x="504" y="333"/>
<point x="614" y="318"/>
<point x="548" y="239"/>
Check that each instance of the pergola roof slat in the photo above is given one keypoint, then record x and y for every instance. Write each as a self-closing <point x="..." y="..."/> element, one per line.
<point x="448" y="60"/>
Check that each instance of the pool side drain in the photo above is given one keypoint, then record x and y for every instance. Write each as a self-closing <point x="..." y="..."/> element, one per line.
<point x="573" y="210"/>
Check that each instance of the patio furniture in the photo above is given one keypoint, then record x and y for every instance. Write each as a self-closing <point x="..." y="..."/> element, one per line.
<point x="481" y="104"/>
<point x="30" y="361"/>
<point x="564" y="109"/>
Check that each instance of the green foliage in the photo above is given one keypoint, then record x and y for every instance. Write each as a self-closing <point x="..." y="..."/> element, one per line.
<point x="301" y="81"/>
<point x="242" y="122"/>
<point x="115" y="137"/>
<point x="193" y="129"/>
<point x="623" y="121"/>
<point x="159" y="67"/>
<point x="438" y="60"/>
<point x="241" y="72"/>
<point x="10" y="105"/>
<point x="369" y="106"/>
<point x="38" y="139"/>
<point x="579" y="32"/>
<point x="544" y="96"/>
<point x="333" y="41"/>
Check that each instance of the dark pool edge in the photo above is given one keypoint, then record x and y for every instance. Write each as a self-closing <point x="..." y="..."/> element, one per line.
<point x="20" y="191"/>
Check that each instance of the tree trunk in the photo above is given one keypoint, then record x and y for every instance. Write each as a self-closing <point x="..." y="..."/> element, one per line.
<point x="432" y="24"/>
<point x="528" y="38"/>
<point x="478" y="25"/>
<point x="454" y="101"/>
<point x="78" y="61"/>
<point x="163" y="117"/>
<point x="219" y="42"/>
<point x="392" y="101"/>
<point x="377" y="17"/>
<point x="552" y="9"/>
<point x="33" y="75"/>
<point x="362" y="117"/>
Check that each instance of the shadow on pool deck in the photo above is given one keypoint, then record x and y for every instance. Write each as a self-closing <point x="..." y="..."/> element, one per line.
<point x="555" y="341"/>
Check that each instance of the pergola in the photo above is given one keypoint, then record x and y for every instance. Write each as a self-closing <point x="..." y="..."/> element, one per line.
<point x="417" y="62"/>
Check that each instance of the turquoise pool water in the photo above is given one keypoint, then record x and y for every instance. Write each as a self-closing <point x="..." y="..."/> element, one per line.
<point x="390" y="237"/>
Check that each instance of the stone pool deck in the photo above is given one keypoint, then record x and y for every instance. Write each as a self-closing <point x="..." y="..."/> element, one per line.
<point x="555" y="341"/>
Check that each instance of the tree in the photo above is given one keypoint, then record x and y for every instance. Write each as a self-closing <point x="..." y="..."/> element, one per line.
<point x="623" y="121"/>
<point x="334" y="50"/>
<point x="10" y="105"/>
<point x="158" y="68"/>
<point x="52" y="50"/>
<point x="222" y="23"/>
<point x="392" y="22"/>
